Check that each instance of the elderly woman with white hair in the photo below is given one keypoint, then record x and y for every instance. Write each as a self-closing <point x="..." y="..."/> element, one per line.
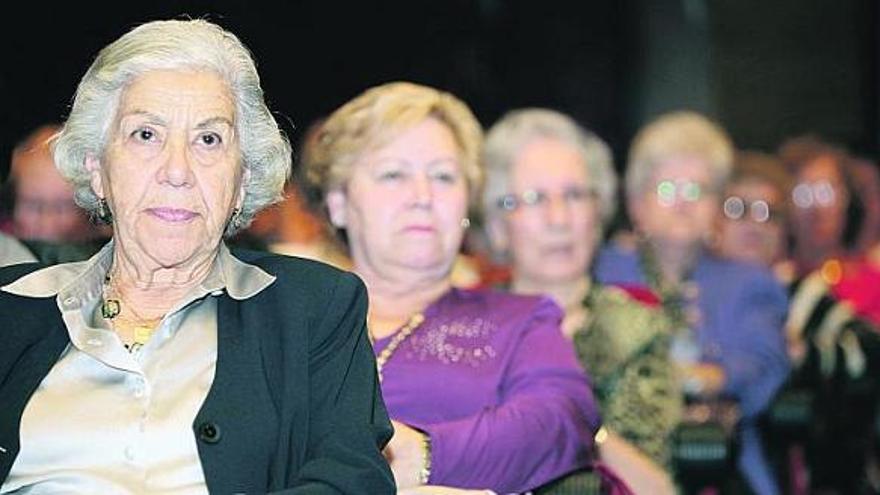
<point x="166" y="364"/>
<point x="727" y="316"/>
<point x="550" y="191"/>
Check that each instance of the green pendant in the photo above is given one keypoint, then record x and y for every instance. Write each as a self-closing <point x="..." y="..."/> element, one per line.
<point x="110" y="309"/>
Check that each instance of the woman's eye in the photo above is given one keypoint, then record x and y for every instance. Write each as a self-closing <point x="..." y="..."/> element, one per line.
<point x="390" y="175"/>
<point x="210" y="139"/>
<point x="446" y="177"/>
<point x="144" y="134"/>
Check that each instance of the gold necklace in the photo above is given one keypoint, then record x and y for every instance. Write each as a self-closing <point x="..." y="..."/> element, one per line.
<point x="398" y="339"/>
<point x="143" y="327"/>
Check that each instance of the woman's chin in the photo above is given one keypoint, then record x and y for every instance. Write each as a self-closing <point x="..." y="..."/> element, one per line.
<point x="173" y="252"/>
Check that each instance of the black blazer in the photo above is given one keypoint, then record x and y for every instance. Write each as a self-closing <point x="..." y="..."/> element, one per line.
<point x="295" y="405"/>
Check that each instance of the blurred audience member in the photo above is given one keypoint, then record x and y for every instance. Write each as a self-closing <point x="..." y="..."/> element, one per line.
<point x="818" y="421"/>
<point x="753" y="226"/>
<point x="42" y="213"/>
<point x="727" y="316"/>
<point x="484" y="390"/>
<point x="827" y="214"/>
<point x="41" y="200"/>
<point x="550" y="189"/>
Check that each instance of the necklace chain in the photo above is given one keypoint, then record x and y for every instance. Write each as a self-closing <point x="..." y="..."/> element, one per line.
<point x="414" y="322"/>
<point x="111" y="308"/>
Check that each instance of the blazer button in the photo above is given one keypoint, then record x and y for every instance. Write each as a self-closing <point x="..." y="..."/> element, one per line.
<point x="209" y="432"/>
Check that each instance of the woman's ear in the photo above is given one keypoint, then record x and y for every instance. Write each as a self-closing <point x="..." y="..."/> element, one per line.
<point x="93" y="165"/>
<point x="337" y="204"/>
<point x="245" y="178"/>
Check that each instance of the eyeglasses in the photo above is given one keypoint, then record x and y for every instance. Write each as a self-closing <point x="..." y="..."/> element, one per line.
<point x="813" y="194"/>
<point x="533" y="199"/>
<point x="735" y="208"/>
<point x="670" y="191"/>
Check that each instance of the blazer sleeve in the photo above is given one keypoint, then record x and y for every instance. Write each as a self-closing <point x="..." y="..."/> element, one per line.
<point x="542" y="427"/>
<point x="348" y="422"/>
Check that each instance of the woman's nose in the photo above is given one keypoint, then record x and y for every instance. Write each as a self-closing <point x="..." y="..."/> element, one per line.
<point x="177" y="167"/>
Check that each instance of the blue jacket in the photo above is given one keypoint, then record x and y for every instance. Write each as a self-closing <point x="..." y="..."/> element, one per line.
<point x="742" y="313"/>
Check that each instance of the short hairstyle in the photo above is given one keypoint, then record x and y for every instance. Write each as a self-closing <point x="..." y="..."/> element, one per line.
<point x="194" y="44"/>
<point x="517" y="128"/>
<point x="765" y="167"/>
<point x="680" y="133"/>
<point x="373" y="118"/>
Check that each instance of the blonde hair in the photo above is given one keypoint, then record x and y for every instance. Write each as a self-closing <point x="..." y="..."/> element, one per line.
<point x="682" y="133"/>
<point x="374" y="117"/>
<point x="176" y="45"/>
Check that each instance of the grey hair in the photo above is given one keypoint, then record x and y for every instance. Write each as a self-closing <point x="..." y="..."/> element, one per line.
<point x="681" y="133"/>
<point x="517" y="128"/>
<point x="176" y="45"/>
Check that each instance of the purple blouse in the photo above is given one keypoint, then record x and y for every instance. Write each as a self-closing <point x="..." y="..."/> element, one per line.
<point x="491" y="379"/>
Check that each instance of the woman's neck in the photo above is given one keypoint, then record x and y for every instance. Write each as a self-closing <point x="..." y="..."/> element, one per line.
<point x="568" y="294"/>
<point x="393" y="302"/>
<point x="674" y="260"/>
<point x="153" y="290"/>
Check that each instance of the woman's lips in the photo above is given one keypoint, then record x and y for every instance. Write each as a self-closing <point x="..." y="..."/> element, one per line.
<point x="173" y="215"/>
<point x="424" y="229"/>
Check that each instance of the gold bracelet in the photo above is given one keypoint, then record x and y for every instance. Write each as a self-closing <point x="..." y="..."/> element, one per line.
<point x="600" y="436"/>
<point x="425" y="472"/>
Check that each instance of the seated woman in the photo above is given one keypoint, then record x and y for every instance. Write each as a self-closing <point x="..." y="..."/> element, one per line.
<point x="484" y="391"/>
<point x="727" y="316"/>
<point x="165" y="364"/>
<point x="819" y="423"/>
<point x="550" y="188"/>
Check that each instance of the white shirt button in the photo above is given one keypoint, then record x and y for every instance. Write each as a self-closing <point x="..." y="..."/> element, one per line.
<point x="129" y="453"/>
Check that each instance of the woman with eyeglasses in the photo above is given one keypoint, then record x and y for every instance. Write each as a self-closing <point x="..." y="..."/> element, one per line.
<point x="550" y="191"/>
<point x="819" y="423"/>
<point x="727" y="316"/>
<point x="753" y="224"/>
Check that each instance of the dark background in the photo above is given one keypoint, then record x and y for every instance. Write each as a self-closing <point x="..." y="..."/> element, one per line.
<point x="766" y="69"/>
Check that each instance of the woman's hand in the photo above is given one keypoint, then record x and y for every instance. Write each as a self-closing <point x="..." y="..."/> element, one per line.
<point x="407" y="456"/>
<point x="635" y="468"/>
<point x="704" y="379"/>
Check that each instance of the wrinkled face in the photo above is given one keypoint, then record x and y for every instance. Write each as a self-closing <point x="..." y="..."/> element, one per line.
<point x="751" y="226"/>
<point x="403" y="205"/>
<point x="171" y="170"/>
<point x="551" y="222"/>
<point x="678" y="206"/>
<point x="44" y="208"/>
<point x="820" y="201"/>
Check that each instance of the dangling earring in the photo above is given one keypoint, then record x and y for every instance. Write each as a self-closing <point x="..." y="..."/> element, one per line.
<point x="465" y="223"/>
<point x="103" y="212"/>
<point x="234" y="220"/>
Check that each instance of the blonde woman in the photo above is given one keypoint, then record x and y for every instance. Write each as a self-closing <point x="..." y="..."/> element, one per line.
<point x="484" y="391"/>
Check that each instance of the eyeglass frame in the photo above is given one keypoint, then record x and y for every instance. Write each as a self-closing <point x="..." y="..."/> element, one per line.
<point x="534" y="198"/>
<point x="771" y="214"/>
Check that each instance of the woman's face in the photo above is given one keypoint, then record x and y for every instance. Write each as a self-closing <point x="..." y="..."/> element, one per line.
<point x="403" y="205"/>
<point x="171" y="170"/>
<point x="752" y="226"/>
<point x="678" y="206"/>
<point x="552" y="225"/>
<point x="820" y="202"/>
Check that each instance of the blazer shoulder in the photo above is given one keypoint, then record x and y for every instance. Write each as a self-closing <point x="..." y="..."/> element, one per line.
<point x="300" y="277"/>
<point x="11" y="273"/>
